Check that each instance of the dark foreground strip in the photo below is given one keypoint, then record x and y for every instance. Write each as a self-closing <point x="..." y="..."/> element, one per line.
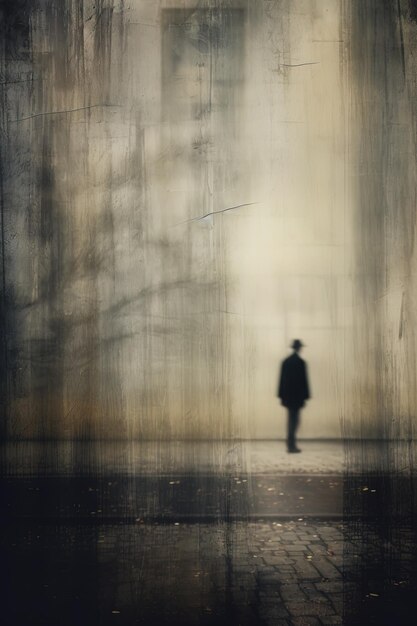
<point x="160" y="498"/>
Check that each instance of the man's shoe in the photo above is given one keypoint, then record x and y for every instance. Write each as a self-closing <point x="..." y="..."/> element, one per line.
<point x="294" y="450"/>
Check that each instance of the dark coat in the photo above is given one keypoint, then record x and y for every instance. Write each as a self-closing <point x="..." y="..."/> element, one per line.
<point x="293" y="383"/>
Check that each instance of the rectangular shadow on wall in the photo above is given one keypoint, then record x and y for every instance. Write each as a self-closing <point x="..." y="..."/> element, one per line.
<point x="202" y="64"/>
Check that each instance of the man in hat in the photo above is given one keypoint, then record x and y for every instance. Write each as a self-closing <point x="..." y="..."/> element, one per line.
<point x="293" y="391"/>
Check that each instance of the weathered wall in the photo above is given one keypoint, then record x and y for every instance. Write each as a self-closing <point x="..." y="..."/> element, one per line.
<point x="381" y="55"/>
<point x="135" y="305"/>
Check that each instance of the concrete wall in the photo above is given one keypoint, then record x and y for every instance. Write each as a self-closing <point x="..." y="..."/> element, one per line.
<point x="382" y="99"/>
<point x="136" y="306"/>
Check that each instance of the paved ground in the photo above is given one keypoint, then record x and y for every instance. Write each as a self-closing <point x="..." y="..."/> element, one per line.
<point x="176" y="497"/>
<point x="198" y="533"/>
<point x="276" y="573"/>
<point x="176" y="457"/>
<point x="293" y="573"/>
<point x="163" y="458"/>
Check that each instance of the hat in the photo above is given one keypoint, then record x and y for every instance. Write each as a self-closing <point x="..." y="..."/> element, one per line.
<point x="296" y="344"/>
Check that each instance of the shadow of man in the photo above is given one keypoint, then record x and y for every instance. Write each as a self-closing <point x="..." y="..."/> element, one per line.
<point x="293" y="390"/>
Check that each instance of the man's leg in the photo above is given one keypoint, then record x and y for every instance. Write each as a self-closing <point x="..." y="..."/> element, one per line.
<point x="291" y="430"/>
<point x="293" y="421"/>
<point x="296" y="419"/>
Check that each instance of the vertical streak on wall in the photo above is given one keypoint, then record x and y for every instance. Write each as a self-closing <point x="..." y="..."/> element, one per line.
<point x="16" y="83"/>
<point x="383" y="121"/>
<point x="59" y="219"/>
<point x="382" y="115"/>
<point x="4" y="401"/>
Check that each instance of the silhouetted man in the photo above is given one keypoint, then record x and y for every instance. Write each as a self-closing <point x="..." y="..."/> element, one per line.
<point x="293" y="391"/>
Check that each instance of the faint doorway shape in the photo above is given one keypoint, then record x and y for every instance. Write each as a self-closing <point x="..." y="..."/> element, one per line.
<point x="202" y="62"/>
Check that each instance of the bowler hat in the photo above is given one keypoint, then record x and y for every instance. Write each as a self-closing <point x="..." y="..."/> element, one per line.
<point x="296" y="344"/>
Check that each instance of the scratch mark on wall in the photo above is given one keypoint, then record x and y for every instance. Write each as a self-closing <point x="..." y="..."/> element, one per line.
<point x="64" y="111"/>
<point x="230" y="208"/>
<point x="299" y="64"/>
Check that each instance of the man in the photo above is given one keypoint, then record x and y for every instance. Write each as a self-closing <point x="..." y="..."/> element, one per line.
<point x="293" y="391"/>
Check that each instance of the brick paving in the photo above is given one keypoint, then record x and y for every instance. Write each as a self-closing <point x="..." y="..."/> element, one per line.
<point x="302" y="569"/>
<point x="294" y="572"/>
<point x="279" y="573"/>
<point x="214" y="545"/>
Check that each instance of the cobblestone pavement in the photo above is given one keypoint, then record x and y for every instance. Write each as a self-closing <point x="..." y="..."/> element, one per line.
<point x="282" y="574"/>
<point x="213" y="546"/>
<point x="279" y="573"/>
<point x="300" y="566"/>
